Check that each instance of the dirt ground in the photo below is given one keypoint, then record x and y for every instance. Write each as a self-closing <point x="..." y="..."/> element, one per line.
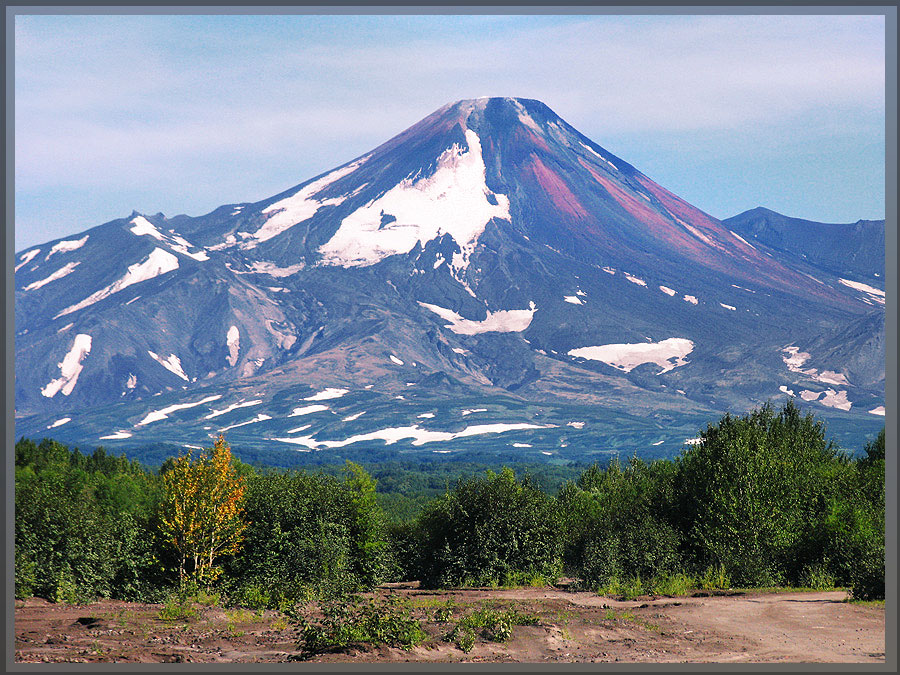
<point x="573" y="627"/>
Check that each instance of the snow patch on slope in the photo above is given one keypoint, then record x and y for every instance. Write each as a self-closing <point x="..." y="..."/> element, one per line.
<point x="420" y="436"/>
<point x="67" y="269"/>
<point x="306" y="410"/>
<point x="233" y="342"/>
<point x="628" y="356"/>
<point x="70" y="367"/>
<point x="233" y="406"/>
<point x="66" y="246"/>
<point x="737" y="236"/>
<point x="501" y="321"/>
<point x="301" y="206"/>
<point x="116" y="436"/>
<point x="876" y="294"/>
<point x="574" y="299"/>
<point x="829" y="397"/>
<point x="157" y="415"/>
<point x="141" y="226"/>
<point x="454" y="200"/>
<point x="60" y="422"/>
<point x="262" y="417"/>
<point x="26" y="258"/>
<point x="327" y="394"/>
<point x="157" y="263"/>
<point x="172" y="364"/>
<point x="795" y="358"/>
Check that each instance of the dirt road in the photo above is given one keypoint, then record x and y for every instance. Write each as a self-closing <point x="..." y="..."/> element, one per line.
<point x="573" y="627"/>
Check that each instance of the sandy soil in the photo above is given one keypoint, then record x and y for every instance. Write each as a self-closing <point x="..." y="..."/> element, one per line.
<point x="574" y="627"/>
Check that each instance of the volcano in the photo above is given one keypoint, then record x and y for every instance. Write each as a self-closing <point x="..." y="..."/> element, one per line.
<point x="490" y="280"/>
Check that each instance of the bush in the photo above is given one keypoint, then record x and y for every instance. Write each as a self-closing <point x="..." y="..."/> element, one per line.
<point x="349" y="620"/>
<point x="616" y="523"/>
<point x="493" y="625"/>
<point x="309" y="535"/>
<point x="82" y="525"/>
<point x="489" y="530"/>
<point x="752" y="490"/>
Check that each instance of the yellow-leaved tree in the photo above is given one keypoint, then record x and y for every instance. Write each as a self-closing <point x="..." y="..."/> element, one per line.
<point x="201" y="511"/>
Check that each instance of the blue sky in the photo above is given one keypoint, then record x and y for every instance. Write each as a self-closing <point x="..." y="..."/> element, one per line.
<point x="181" y="114"/>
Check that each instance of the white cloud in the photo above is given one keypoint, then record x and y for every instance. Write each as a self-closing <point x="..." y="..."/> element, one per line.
<point x="288" y="100"/>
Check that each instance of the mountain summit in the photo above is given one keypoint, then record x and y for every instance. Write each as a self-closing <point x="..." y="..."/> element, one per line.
<point x="490" y="253"/>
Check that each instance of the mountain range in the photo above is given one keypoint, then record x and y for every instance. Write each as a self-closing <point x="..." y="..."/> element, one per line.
<point x="489" y="280"/>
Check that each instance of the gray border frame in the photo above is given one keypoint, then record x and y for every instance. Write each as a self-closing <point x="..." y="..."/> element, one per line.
<point x="887" y="9"/>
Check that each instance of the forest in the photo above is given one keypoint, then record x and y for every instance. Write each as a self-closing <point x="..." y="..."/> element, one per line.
<point x="764" y="499"/>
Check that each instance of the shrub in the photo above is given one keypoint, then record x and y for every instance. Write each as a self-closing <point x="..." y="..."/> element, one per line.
<point x="617" y="522"/>
<point x="349" y="620"/>
<point x="715" y="579"/>
<point x="494" y="625"/>
<point x="676" y="583"/>
<point x="309" y="535"/>
<point x="752" y="489"/>
<point x="487" y="530"/>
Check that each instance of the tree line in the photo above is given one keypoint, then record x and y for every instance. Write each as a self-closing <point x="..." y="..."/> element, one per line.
<point x="763" y="499"/>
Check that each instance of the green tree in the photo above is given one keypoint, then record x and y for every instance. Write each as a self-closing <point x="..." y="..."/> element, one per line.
<point x="752" y="490"/>
<point x="617" y="522"/>
<point x="493" y="529"/>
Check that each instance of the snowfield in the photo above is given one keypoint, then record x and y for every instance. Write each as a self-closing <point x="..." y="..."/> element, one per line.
<point x="795" y="358"/>
<point x="172" y="364"/>
<point x="829" y="397"/>
<point x="453" y="200"/>
<point x="67" y="269"/>
<point x="262" y="417"/>
<point x="70" y="367"/>
<point x="628" y="356"/>
<point x="306" y="410"/>
<point x="501" y="321"/>
<point x="327" y="394"/>
<point x="301" y="206"/>
<point x="116" y="436"/>
<point x="157" y="263"/>
<point x="233" y="342"/>
<point x="26" y="258"/>
<point x="66" y="246"/>
<point x="233" y="406"/>
<point x="157" y="415"/>
<point x="420" y="436"/>
<point x="874" y="293"/>
<point x="141" y="227"/>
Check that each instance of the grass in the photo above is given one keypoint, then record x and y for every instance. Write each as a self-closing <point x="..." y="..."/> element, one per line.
<point x="866" y="603"/>
<point x="489" y="623"/>
<point x="625" y="615"/>
<point x="351" y="620"/>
